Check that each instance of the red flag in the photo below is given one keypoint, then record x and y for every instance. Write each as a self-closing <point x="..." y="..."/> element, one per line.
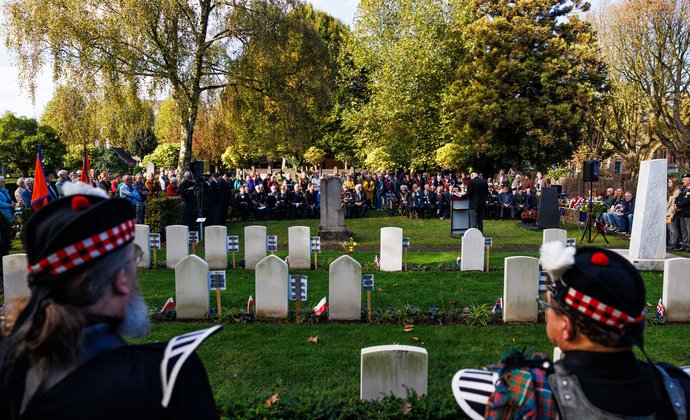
<point x="39" y="196"/>
<point x="85" y="168"/>
<point x="321" y="306"/>
<point x="169" y="304"/>
<point x="250" y="305"/>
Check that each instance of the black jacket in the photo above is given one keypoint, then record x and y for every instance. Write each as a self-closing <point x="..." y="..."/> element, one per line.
<point x="477" y="191"/>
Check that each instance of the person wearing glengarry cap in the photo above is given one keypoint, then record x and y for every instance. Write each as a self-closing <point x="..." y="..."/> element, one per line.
<point x="595" y="313"/>
<point x="62" y="353"/>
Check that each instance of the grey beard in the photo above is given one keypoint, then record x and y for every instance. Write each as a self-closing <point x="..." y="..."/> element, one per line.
<point x="136" y="323"/>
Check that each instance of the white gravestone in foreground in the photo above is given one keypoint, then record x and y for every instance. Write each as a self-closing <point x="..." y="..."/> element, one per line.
<point x="271" y="284"/>
<point x="216" y="247"/>
<point x="254" y="246"/>
<point x="648" y="237"/>
<point x="676" y="290"/>
<point x="298" y="247"/>
<point x="141" y="238"/>
<point x="520" y="288"/>
<point x="391" y="249"/>
<point x="176" y="244"/>
<point x="191" y="288"/>
<point x="393" y="369"/>
<point x="555" y="235"/>
<point x="14" y="278"/>
<point x="345" y="289"/>
<point x="472" y="251"/>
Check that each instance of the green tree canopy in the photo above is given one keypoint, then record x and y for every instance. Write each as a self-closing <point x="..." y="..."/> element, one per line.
<point x="19" y="141"/>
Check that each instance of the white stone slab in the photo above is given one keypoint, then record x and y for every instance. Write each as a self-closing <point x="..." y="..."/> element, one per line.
<point x="191" y="288"/>
<point x="14" y="278"/>
<point x="299" y="247"/>
<point x="216" y="247"/>
<point x="648" y="237"/>
<point x="176" y="244"/>
<point x="391" y="249"/>
<point x="644" y="264"/>
<point x="271" y="284"/>
<point x="676" y="290"/>
<point x="393" y="369"/>
<point x="554" y="235"/>
<point x="344" y="289"/>
<point x="520" y="285"/>
<point x="254" y="246"/>
<point x="141" y="238"/>
<point x="472" y="251"/>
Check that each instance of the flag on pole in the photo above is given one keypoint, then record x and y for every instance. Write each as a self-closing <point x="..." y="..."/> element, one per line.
<point x="39" y="196"/>
<point x="498" y="307"/>
<point x="169" y="304"/>
<point x="660" y="310"/>
<point x="85" y="168"/>
<point x="377" y="261"/>
<point x="250" y="304"/>
<point x="321" y="306"/>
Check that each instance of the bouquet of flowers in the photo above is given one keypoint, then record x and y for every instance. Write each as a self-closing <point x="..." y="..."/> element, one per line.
<point x="597" y="208"/>
<point x="529" y="215"/>
<point x="349" y="245"/>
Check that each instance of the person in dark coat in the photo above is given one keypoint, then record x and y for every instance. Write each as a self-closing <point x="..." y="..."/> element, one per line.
<point x="477" y="192"/>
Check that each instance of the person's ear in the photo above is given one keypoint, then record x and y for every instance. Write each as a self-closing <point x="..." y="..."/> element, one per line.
<point x="569" y="331"/>
<point x="121" y="285"/>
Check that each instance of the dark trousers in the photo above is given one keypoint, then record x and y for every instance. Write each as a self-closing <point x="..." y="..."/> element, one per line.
<point x="477" y="218"/>
<point x="6" y="236"/>
<point x="188" y="214"/>
<point x="505" y="209"/>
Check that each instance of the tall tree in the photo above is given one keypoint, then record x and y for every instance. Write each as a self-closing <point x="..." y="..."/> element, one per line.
<point x="19" y="141"/>
<point x="531" y="72"/>
<point x="184" y="45"/>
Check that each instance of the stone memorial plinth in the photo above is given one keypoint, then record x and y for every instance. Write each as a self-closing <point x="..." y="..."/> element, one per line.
<point x="332" y="226"/>
<point x="676" y="290"/>
<point x="191" y="288"/>
<point x="271" y="284"/>
<point x="549" y="216"/>
<point x="176" y="244"/>
<point x="254" y="246"/>
<point x="520" y="288"/>
<point x="393" y="369"/>
<point x="648" y="237"/>
<point x="216" y="247"/>
<point x="554" y="235"/>
<point x="345" y="289"/>
<point x="391" y="249"/>
<point x="299" y="247"/>
<point x="14" y="278"/>
<point x="141" y="238"/>
<point x="472" y="251"/>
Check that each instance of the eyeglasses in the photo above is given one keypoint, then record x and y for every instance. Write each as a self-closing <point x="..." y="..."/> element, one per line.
<point x="543" y="304"/>
<point x="138" y="255"/>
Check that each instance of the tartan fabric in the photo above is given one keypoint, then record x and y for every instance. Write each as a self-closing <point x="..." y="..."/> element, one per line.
<point x="522" y="393"/>
<point x="599" y="311"/>
<point x="85" y="250"/>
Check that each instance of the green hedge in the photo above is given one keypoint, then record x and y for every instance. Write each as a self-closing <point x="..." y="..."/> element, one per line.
<point x="162" y="212"/>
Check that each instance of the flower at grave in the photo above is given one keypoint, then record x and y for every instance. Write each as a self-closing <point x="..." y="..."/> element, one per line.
<point x="349" y="245"/>
<point x="529" y="215"/>
<point x="597" y="208"/>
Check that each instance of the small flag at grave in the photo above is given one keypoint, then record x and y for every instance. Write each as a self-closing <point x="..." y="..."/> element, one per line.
<point x="315" y="244"/>
<point x="169" y="304"/>
<point x="660" y="311"/>
<point x="571" y="242"/>
<point x="406" y="242"/>
<point x="498" y="306"/>
<point x="287" y="259"/>
<point x="543" y="281"/>
<point x="377" y="261"/>
<point x="155" y="240"/>
<point x="233" y="244"/>
<point x="368" y="282"/>
<point x="321" y="306"/>
<point x="193" y="237"/>
<point x="488" y="241"/>
<point x="250" y="304"/>
<point x="457" y="262"/>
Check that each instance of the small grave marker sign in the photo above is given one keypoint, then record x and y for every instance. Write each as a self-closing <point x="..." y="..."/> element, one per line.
<point x="271" y="243"/>
<point x="298" y="281"/>
<point x="216" y="280"/>
<point x="368" y="282"/>
<point x="193" y="237"/>
<point x="315" y="242"/>
<point x="155" y="240"/>
<point x="488" y="241"/>
<point x="233" y="244"/>
<point x="406" y="242"/>
<point x="571" y="242"/>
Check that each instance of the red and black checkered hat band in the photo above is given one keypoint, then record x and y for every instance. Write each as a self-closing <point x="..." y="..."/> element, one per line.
<point x="74" y="255"/>
<point x="600" y="311"/>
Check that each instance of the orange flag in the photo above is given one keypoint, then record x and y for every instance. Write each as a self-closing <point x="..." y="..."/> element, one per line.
<point x="85" y="168"/>
<point x="39" y="196"/>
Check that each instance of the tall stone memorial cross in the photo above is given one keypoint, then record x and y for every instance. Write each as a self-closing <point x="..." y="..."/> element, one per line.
<point x="345" y="289"/>
<point x="555" y="235"/>
<point x="332" y="226"/>
<point x="299" y="247"/>
<point x="14" y="278"/>
<point x="648" y="237"/>
<point x="191" y="288"/>
<point x="472" y="251"/>
<point x="676" y="289"/>
<point x="271" y="284"/>
<point x="176" y="244"/>
<point x="391" y="249"/>
<point x="216" y="247"/>
<point x="520" y="288"/>
<point x="143" y="240"/>
<point x="254" y="246"/>
<point x="393" y="369"/>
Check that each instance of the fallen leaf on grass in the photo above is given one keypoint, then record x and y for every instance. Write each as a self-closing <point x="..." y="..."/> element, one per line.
<point x="407" y="407"/>
<point x="274" y="399"/>
<point x="408" y="328"/>
<point x="415" y="338"/>
<point x="380" y="289"/>
<point x="313" y="339"/>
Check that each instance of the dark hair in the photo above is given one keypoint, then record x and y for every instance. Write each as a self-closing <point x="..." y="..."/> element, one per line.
<point x="586" y="326"/>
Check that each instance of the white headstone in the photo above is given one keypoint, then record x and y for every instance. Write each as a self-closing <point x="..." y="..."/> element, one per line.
<point x="472" y="251"/>
<point x="676" y="290"/>
<point x="271" y="283"/>
<point x="391" y="249"/>
<point x="299" y="247"/>
<point x="555" y="235"/>
<point x="191" y="288"/>
<point x="393" y="369"/>
<point x="216" y="247"/>
<point x="150" y="168"/>
<point x="14" y="278"/>
<point x="141" y="238"/>
<point x="648" y="237"/>
<point x="344" y="289"/>
<point x="176" y="245"/>
<point x="520" y="285"/>
<point x="254" y="245"/>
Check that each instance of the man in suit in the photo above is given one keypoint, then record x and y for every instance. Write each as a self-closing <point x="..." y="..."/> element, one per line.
<point x="477" y="191"/>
